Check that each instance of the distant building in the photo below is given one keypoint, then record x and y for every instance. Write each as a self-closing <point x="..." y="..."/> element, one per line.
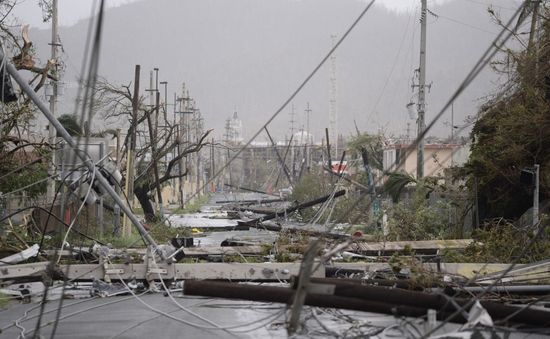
<point x="302" y="138"/>
<point x="234" y="129"/>
<point x="437" y="158"/>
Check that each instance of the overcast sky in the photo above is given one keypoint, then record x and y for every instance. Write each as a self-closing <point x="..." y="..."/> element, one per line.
<point x="71" y="11"/>
<point x="227" y="66"/>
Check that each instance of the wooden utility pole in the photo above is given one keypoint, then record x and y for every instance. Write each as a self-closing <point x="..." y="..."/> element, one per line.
<point x="50" y="190"/>
<point x="153" y="137"/>
<point x="421" y="92"/>
<point x="129" y="187"/>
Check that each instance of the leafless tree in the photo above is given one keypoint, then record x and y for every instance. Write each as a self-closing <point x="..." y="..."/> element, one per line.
<point x="115" y="103"/>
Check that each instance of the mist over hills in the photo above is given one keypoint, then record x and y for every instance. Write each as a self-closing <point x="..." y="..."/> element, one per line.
<point x="250" y="55"/>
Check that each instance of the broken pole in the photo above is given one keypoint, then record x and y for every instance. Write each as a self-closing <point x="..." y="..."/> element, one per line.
<point x="302" y="287"/>
<point x="130" y="168"/>
<point x="103" y="182"/>
<point x="437" y="302"/>
<point x="328" y="149"/>
<point x="310" y="233"/>
<point x="152" y="136"/>
<point x="249" y="189"/>
<point x="351" y="181"/>
<point x="296" y="208"/>
<point x="218" y="289"/>
<point x="249" y="201"/>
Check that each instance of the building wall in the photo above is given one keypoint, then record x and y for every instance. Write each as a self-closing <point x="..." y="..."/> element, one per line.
<point x="437" y="158"/>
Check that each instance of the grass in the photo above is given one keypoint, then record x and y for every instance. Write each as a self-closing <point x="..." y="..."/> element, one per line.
<point x="194" y="206"/>
<point x="4" y="300"/>
<point x="134" y="240"/>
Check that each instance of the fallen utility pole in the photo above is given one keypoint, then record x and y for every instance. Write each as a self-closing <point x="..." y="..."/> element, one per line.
<point x="103" y="182"/>
<point x="145" y="271"/>
<point x="255" y="210"/>
<point x="406" y="284"/>
<point x="249" y="189"/>
<point x="302" y="286"/>
<point x="311" y="233"/>
<point x="249" y="201"/>
<point x="350" y="296"/>
<point x="295" y="208"/>
<point x="351" y="181"/>
<point x="437" y="302"/>
<point x="285" y="295"/>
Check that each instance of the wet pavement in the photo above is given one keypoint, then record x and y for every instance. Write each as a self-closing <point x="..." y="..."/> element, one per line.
<point x="127" y="317"/>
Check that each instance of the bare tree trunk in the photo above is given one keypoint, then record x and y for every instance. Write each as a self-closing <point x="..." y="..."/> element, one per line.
<point x="142" y="195"/>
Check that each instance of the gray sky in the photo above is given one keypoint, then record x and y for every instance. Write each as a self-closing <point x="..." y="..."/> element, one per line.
<point x="227" y="65"/>
<point x="71" y="11"/>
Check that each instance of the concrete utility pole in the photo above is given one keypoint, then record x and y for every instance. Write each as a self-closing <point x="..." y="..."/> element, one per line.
<point x="292" y="152"/>
<point x="116" y="214"/>
<point x="129" y="187"/>
<point x="536" y="196"/>
<point x="165" y="83"/>
<point x="50" y="190"/>
<point x="333" y="107"/>
<point x="308" y="112"/>
<point x="452" y="131"/>
<point x="156" y="102"/>
<point x="421" y="92"/>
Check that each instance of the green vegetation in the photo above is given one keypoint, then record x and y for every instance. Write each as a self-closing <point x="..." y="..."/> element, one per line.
<point x="28" y="172"/>
<point x="162" y="233"/>
<point x="372" y="145"/>
<point x="351" y="208"/>
<point x="513" y="132"/>
<point x="4" y="300"/>
<point x="71" y="124"/>
<point x="416" y="219"/>
<point x="502" y="242"/>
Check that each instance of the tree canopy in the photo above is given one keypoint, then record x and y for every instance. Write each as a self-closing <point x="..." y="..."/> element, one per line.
<point x="513" y="131"/>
